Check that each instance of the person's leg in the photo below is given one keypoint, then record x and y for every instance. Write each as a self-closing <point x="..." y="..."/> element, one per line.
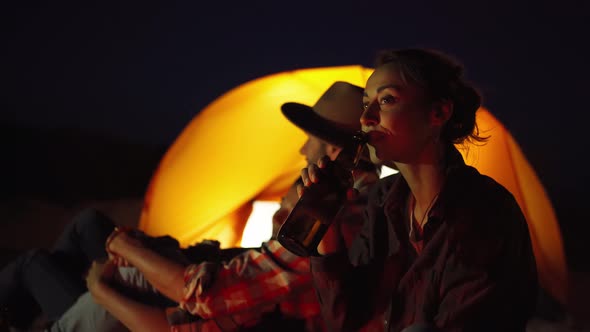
<point x="87" y="315"/>
<point x="54" y="281"/>
<point x="17" y="304"/>
<point x="54" y="288"/>
<point x="83" y="240"/>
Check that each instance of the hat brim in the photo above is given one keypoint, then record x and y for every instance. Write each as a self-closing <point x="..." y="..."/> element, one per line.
<point x="309" y="121"/>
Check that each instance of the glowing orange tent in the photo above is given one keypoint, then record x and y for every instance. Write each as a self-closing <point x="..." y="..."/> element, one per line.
<point x="240" y="148"/>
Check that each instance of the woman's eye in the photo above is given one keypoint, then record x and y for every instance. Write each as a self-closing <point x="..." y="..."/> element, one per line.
<point x="387" y="100"/>
<point x="365" y="106"/>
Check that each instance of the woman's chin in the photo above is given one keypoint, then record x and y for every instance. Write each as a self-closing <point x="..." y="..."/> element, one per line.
<point x="383" y="158"/>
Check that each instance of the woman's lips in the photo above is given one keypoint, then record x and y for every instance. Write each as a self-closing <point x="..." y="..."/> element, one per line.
<point x="374" y="136"/>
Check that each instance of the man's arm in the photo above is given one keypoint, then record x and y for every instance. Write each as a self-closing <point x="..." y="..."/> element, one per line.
<point x="134" y="315"/>
<point x="164" y="274"/>
<point x="252" y="279"/>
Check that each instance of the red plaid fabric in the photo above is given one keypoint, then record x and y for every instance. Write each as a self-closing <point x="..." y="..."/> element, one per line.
<point x="240" y="291"/>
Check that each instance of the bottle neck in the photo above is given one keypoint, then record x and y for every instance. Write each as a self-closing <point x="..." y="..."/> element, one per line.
<point x="350" y="156"/>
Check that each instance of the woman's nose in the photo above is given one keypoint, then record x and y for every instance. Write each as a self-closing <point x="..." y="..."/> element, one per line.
<point x="370" y="116"/>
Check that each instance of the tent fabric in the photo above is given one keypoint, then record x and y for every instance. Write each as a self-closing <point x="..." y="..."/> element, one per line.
<point x="240" y="148"/>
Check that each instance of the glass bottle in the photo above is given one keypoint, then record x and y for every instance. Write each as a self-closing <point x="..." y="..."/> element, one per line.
<point x="309" y="220"/>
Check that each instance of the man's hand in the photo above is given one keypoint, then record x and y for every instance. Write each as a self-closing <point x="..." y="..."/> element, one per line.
<point x="117" y="244"/>
<point x="99" y="273"/>
<point x="313" y="173"/>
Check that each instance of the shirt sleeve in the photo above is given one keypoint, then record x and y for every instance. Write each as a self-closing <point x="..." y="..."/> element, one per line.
<point x="346" y="281"/>
<point x="332" y="288"/>
<point x="253" y="278"/>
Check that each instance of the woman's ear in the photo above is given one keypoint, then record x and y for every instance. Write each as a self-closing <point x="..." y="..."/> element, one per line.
<point x="441" y="112"/>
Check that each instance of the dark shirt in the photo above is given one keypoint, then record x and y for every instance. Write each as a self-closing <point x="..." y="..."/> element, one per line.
<point x="476" y="271"/>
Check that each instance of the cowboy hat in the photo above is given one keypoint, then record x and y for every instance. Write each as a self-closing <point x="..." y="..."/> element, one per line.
<point x="334" y="118"/>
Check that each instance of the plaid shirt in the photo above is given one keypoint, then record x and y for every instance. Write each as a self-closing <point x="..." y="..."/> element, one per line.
<point x="236" y="294"/>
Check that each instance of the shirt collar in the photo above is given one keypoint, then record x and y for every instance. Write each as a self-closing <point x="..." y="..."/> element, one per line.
<point x="396" y="197"/>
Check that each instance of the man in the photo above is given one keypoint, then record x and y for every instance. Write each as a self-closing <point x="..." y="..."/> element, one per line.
<point x="42" y="284"/>
<point x="244" y="291"/>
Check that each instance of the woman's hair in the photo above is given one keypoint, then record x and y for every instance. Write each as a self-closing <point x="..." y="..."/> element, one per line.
<point x="442" y="79"/>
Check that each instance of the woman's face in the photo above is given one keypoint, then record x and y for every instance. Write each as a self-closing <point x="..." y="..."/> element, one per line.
<point x="396" y="117"/>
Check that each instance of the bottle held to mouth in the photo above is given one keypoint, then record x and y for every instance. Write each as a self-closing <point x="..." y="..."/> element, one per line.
<point x="309" y="220"/>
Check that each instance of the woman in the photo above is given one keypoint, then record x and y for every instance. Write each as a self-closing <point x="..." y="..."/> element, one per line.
<point x="443" y="247"/>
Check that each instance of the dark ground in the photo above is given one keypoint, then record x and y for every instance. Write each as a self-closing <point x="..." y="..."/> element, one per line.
<point x="51" y="175"/>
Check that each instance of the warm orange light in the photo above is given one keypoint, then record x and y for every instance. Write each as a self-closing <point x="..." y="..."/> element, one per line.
<point x="240" y="148"/>
<point x="258" y="227"/>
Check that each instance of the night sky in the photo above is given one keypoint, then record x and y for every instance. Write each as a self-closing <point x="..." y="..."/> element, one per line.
<point x="138" y="72"/>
